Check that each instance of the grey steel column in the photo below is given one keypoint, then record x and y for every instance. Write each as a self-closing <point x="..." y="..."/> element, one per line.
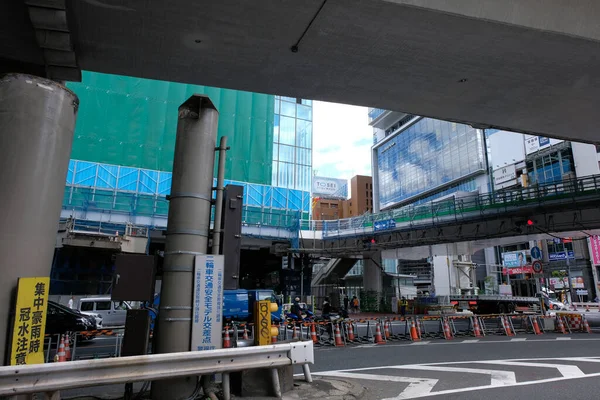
<point x="37" y="119"/>
<point x="187" y="233"/>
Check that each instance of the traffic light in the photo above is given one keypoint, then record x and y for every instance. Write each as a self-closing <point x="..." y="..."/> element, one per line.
<point x="367" y="243"/>
<point x="528" y="223"/>
<point x="264" y="331"/>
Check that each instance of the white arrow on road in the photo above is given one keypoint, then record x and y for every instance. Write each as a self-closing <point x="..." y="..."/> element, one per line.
<point x="568" y="371"/>
<point x="417" y="386"/>
<point x="499" y="378"/>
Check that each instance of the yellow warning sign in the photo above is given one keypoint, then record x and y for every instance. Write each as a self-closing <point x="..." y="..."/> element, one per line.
<point x="30" y="321"/>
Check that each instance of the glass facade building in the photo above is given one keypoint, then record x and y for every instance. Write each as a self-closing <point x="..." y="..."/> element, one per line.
<point x="428" y="159"/>
<point x="124" y="145"/>
<point x="292" y="143"/>
<point x="551" y="167"/>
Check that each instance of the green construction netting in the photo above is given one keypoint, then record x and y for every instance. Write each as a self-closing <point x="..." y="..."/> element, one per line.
<point x="132" y="122"/>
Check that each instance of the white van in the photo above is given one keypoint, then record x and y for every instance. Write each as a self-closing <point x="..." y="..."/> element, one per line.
<point x="113" y="313"/>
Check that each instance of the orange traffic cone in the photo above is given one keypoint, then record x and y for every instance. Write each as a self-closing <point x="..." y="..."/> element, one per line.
<point x="338" y="336"/>
<point x="273" y="339"/>
<point x="476" y="328"/>
<point x="245" y="334"/>
<point x="386" y="330"/>
<point x="351" y="337"/>
<point x="414" y="334"/>
<point x="313" y="333"/>
<point x="447" y="332"/>
<point x="506" y="324"/>
<point x="295" y="335"/>
<point x="561" y="326"/>
<point x="67" y="348"/>
<point x="378" y="338"/>
<point x="586" y="326"/>
<point x="61" y="350"/>
<point x="226" y="339"/>
<point x="536" y="327"/>
<point x="418" y="325"/>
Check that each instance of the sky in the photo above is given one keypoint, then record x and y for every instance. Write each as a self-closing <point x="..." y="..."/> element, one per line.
<point x="342" y="140"/>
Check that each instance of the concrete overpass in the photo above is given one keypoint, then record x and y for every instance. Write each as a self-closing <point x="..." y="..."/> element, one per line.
<point x="528" y="66"/>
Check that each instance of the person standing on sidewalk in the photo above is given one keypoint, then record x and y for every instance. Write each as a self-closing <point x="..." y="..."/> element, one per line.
<point x="403" y="306"/>
<point x="355" y="304"/>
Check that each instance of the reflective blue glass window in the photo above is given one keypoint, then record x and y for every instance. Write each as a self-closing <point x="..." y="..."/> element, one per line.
<point x="304" y="112"/>
<point x="288" y="109"/>
<point x="428" y="154"/>
<point x="304" y="134"/>
<point x="287" y="130"/>
<point x="286" y="153"/>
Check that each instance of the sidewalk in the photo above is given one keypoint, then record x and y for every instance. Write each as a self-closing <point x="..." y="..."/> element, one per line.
<point x="320" y="389"/>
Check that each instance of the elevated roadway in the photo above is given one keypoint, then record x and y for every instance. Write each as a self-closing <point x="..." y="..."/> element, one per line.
<point x="528" y="66"/>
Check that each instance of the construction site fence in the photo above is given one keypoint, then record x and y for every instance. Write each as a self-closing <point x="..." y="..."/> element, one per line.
<point x="376" y="330"/>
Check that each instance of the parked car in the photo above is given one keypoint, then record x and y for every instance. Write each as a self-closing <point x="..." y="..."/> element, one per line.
<point x="113" y="313"/>
<point x="61" y="319"/>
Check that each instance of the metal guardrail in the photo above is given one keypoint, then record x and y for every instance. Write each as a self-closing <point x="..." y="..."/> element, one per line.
<point x="48" y="378"/>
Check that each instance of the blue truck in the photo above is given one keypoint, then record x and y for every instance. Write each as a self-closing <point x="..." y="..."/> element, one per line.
<point x="238" y="305"/>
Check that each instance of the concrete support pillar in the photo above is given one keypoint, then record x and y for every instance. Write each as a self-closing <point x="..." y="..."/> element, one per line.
<point x="37" y="119"/>
<point x="187" y="234"/>
<point x="372" y="274"/>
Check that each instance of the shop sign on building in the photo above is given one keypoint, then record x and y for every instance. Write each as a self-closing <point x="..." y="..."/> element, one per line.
<point x="595" y="249"/>
<point x="329" y="187"/>
<point x="536" y="143"/>
<point x="561" y="255"/>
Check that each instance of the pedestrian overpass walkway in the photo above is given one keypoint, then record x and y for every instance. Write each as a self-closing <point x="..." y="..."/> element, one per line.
<point x="560" y="207"/>
<point x="568" y="205"/>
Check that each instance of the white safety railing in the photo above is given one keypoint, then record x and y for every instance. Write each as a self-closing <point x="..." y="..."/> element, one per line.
<point x="49" y="378"/>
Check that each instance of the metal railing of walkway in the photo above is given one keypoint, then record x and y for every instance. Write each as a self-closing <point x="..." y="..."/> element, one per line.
<point x="457" y="209"/>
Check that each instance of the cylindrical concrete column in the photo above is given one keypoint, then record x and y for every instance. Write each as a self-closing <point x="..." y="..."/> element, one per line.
<point x="37" y="119"/>
<point x="188" y="228"/>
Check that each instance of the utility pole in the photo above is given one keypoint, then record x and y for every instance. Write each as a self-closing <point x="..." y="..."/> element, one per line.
<point x="568" y="271"/>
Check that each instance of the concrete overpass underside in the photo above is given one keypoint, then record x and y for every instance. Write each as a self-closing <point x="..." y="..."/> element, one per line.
<point x="575" y="219"/>
<point x="529" y="66"/>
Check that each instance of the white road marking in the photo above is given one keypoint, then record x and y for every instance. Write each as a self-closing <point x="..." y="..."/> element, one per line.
<point x="420" y="343"/>
<point x="417" y="386"/>
<point x="498" y="378"/>
<point x="568" y="371"/>
<point x="565" y="338"/>
<point x="474" y="388"/>
<point x="518" y="339"/>
<point x="470" y="341"/>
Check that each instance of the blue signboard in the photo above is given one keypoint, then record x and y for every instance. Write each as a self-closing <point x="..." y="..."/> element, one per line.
<point x="560" y="255"/>
<point x="384" y="225"/>
<point x="544" y="141"/>
<point x="514" y="259"/>
<point x="536" y="253"/>
<point x="207" y="322"/>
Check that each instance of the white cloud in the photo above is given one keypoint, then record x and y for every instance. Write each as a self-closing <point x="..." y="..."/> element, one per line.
<point x="342" y="140"/>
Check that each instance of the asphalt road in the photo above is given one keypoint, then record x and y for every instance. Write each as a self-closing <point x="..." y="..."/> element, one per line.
<point x="497" y="367"/>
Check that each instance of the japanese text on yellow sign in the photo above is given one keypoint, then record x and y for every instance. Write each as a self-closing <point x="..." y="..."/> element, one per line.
<point x="30" y="321"/>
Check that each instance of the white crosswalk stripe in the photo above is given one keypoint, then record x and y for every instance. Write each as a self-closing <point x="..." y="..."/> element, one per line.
<point x="502" y="373"/>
